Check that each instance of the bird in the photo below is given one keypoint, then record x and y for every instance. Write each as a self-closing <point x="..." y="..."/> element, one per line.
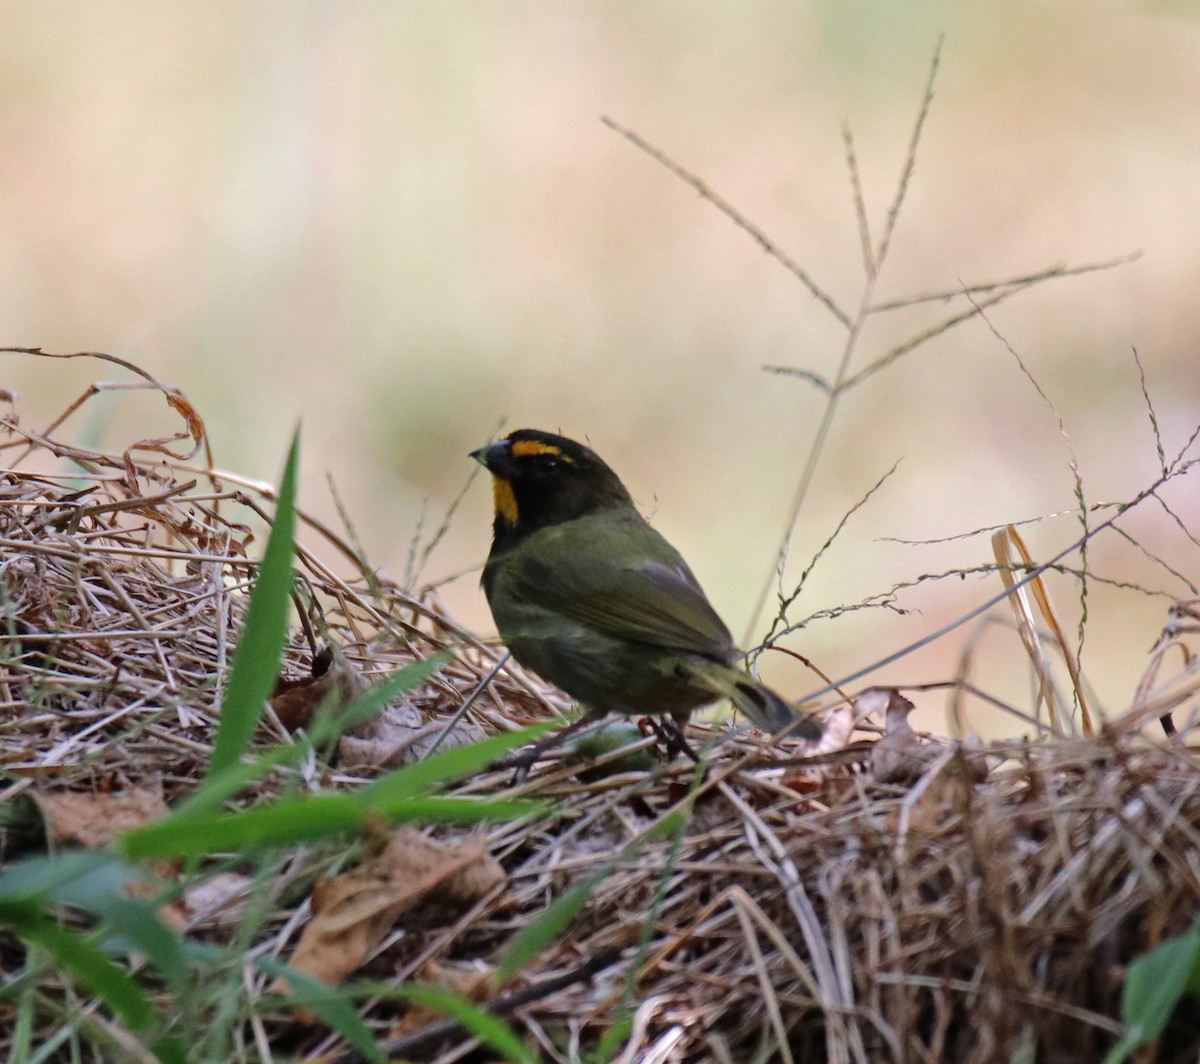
<point x="586" y="594"/>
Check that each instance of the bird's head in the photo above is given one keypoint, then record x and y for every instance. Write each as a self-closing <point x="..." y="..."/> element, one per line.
<point x="540" y="479"/>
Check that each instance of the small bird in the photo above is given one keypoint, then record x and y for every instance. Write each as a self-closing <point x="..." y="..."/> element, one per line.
<point x="586" y="594"/>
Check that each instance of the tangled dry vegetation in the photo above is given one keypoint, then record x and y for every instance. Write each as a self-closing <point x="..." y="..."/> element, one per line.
<point x="908" y="899"/>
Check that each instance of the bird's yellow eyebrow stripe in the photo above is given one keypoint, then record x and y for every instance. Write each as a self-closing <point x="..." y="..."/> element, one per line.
<point x="531" y="448"/>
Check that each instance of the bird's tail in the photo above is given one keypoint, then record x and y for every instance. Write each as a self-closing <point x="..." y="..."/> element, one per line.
<point x="764" y="707"/>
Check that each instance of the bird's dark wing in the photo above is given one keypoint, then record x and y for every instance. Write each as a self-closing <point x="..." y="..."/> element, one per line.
<point x="652" y="602"/>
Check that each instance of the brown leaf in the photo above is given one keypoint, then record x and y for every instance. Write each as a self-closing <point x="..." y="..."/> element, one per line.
<point x="839" y="724"/>
<point x="94" y="820"/>
<point x="195" y="425"/>
<point x="296" y="702"/>
<point x="900" y="756"/>
<point x="354" y="912"/>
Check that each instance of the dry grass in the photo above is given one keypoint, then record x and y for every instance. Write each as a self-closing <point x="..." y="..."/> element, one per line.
<point x="988" y="898"/>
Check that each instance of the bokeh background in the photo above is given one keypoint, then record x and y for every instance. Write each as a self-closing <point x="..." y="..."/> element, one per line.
<point x="404" y="224"/>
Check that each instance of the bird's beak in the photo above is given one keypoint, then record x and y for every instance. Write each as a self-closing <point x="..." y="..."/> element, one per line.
<point x="494" y="457"/>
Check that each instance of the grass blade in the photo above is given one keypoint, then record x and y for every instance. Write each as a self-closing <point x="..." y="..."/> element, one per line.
<point x="220" y="786"/>
<point x="489" y="1029"/>
<point x="304" y="819"/>
<point x="264" y="635"/>
<point x="449" y="765"/>
<point x="536" y="936"/>
<point x="1153" y="987"/>
<point x="330" y="1004"/>
<point x="76" y="954"/>
<point x="294" y="820"/>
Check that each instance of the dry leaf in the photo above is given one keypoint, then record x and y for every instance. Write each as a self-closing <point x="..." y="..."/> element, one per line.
<point x="296" y="702"/>
<point x="354" y="912"/>
<point x="94" y="820"/>
<point x="838" y="726"/>
<point x="900" y="756"/>
<point x="218" y="900"/>
<point x="399" y="736"/>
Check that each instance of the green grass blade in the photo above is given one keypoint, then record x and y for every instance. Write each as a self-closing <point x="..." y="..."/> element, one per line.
<point x="447" y="765"/>
<point x="333" y="1006"/>
<point x="1156" y="982"/>
<point x="220" y="786"/>
<point x="306" y="818"/>
<point x="375" y="699"/>
<point x="438" y="810"/>
<point x="616" y="1036"/>
<point x="540" y="933"/>
<point x="293" y="820"/>
<point x="260" y="648"/>
<point x="488" y="1028"/>
<point x="98" y="883"/>
<point x="138" y="922"/>
<point x="1120" y="1053"/>
<point x="76" y="954"/>
<point x="169" y="1050"/>
<point x="78" y="877"/>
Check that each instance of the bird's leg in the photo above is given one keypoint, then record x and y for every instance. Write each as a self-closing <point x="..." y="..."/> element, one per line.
<point x="675" y="736"/>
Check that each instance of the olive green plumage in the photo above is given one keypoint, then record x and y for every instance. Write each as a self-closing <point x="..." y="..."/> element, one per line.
<point x="586" y="594"/>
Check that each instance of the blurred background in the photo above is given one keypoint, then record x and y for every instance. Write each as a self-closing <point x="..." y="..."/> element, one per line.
<point x="405" y="225"/>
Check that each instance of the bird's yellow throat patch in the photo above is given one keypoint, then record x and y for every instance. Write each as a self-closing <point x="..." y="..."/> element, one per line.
<point x="504" y="500"/>
<point x="529" y="448"/>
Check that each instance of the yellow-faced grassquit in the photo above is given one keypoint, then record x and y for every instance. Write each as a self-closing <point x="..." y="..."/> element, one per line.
<point x="586" y="594"/>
